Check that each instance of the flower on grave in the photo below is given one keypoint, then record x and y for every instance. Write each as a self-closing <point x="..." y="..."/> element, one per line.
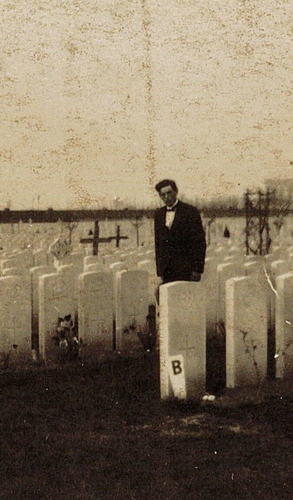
<point x="65" y="338"/>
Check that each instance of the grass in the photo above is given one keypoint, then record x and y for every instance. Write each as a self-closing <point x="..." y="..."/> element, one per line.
<point x="101" y="432"/>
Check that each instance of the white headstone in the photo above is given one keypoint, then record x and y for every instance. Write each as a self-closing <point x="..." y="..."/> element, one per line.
<point x="251" y="267"/>
<point x="209" y="280"/>
<point x="40" y="258"/>
<point x="246" y="332"/>
<point x="154" y="281"/>
<point x="11" y="271"/>
<point x="92" y="259"/>
<point x="183" y="332"/>
<point x="15" y="324"/>
<point x="284" y="326"/>
<point x="35" y="274"/>
<point x="117" y="266"/>
<point x="95" y="312"/>
<point x="277" y="268"/>
<point x="98" y="268"/>
<point x="22" y="260"/>
<point x="131" y="308"/>
<point x="225" y="272"/>
<point x="55" y="300"/>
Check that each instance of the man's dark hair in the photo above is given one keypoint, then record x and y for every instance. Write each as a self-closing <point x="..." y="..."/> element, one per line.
<point x="164" y="183"/>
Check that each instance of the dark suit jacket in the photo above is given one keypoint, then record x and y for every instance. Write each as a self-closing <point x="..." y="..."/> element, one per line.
<point x="182" y="248"/>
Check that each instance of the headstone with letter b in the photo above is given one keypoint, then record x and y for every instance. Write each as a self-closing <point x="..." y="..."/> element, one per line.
<point x="182" y="340"/>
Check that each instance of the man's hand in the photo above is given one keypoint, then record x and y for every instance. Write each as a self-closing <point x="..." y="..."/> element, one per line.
<point x="195" y="276"/>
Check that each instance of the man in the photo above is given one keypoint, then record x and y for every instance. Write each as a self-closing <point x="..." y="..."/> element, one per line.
<point x="179" y="237"/>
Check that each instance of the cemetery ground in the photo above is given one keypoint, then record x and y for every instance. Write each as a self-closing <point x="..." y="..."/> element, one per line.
<point x="101" y="431"/>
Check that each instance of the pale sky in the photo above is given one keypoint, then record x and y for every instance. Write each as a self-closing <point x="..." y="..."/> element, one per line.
<point x="103" y="98"/>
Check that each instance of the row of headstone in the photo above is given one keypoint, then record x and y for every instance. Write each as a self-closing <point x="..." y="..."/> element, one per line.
<point x="183" y="336"/>
<point x="251" y="297"/>
<point x="221" y="265"/>
<point x="100" y="300"/>
<point x="65" y="293"/>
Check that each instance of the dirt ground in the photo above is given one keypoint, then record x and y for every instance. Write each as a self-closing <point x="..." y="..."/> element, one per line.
<point x="101" y="432"/>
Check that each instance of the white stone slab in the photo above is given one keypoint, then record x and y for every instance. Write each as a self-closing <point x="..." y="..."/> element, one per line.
<point x="284" y="326"/>
<point x="154" y="281"/>
<point x="15" y="324"/>
<point x="35" y="274"/>
<point x="98" y="268"/>
<point x="12" y="261"/>
<point x="117" y="266"/>
<point x="95" y="313"/>
<point x="70" y="274"/>
<point x="277" y="268"/>
<point x="40" y="258"/>
<point x="55" y="300"/>
<point x="209" y="280"/>
<point x="92" y="259"/>
<point x="246" y="332"/>
<point x="131" y="308"/>
<point x="11" y="271"/>
<point x="183" y="332"/>
<point x="251" y="267"/>
<point x="225" y="272"/>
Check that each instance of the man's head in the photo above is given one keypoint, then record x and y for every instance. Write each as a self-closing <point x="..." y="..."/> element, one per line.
<point x="167" y="190"/>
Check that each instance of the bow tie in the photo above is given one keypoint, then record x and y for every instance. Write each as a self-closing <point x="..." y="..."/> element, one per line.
<point x="171" y="209"/>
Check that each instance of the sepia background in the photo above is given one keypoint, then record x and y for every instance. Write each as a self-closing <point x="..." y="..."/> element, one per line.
<point x="101" y="99"/>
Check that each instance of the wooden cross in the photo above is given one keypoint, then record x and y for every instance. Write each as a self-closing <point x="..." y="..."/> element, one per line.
<point x="118" y="237"/>
<point x="95" y="240"/>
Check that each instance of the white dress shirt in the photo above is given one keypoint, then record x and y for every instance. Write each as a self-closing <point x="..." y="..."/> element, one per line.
<point x="170" y="215"/>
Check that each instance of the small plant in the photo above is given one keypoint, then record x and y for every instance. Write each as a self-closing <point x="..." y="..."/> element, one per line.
<point x="148" y="333"/>
<point x="5" y="359"/>
<point x="250" y="349"/>
<point x="65" y="339"/>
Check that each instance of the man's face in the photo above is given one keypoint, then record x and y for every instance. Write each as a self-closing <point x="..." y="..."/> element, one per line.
<point x="168" y="195"/>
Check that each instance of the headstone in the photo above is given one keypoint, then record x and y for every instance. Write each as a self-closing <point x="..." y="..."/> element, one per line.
<point x="250" y="258"/>
<point x="98" y="268"/>
<point x="246" y="332"/>
<point x="284" y="326"/>
<point x="22" y="260"/>
<point x="109" y="259"/>
<point x="35" y="274"/>
<point x="220" y="253"/>
<point x="131" y="308"/>
<point x="209" y="280"/>
<point x="154" y="280"/>
<point x="277" y="268"/>
<point x="70" y="273"/>
<point x="95" y="313"/>
<point x="55" y="300"/>
<point x="40" y="258"/>
<point x="15" y="324"/>
<point x="117" y="266"/>
<point x="225" y="272"/>
<point x="251" y="267"/>
<point x="91" y="259"/>
<point x="183" y="333"/>
<point x="11" y="271"/>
